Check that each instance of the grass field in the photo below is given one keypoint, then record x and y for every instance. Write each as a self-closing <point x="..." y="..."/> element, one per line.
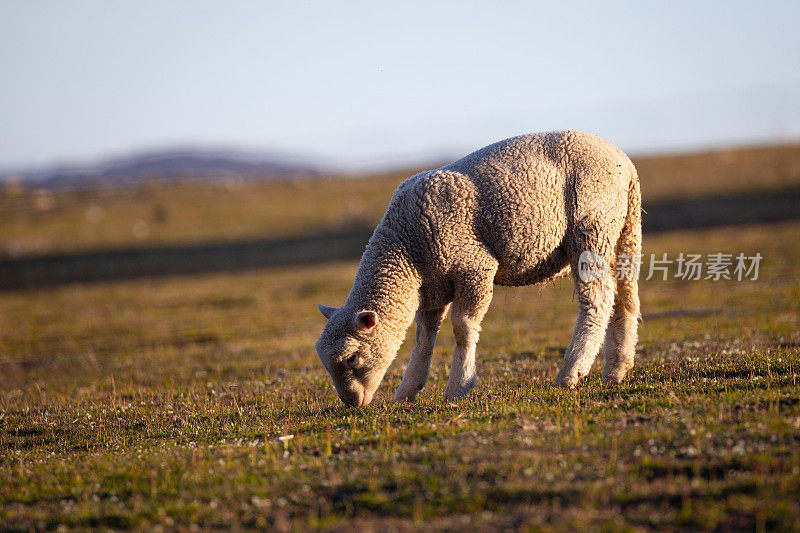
<point x="168" y="401"/>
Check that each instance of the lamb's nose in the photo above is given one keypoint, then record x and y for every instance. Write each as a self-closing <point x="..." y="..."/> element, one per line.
<point x="351" y="401"/>
<point x="354" y="399"/>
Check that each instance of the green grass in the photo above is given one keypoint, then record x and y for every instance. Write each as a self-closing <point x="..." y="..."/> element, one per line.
<point x="160" y="402"/>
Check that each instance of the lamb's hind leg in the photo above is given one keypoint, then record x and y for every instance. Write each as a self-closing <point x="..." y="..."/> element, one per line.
<point x="622" y="331"/>
<point x="473" y="295"/>
<point x="416" y="374"/>
<point x="595" y="301"/>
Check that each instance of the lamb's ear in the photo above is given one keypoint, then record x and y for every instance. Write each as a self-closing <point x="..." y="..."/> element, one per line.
<point x="366" y="320"/>
<point x="326" y="310"/>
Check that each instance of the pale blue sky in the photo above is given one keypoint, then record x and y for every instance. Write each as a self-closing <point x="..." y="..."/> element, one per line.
<point x="368" y="83"/>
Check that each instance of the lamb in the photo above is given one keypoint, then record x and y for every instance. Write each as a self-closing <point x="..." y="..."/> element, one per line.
<point x="522" y="211"/>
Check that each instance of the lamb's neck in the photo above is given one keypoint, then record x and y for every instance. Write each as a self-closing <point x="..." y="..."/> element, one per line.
<point x="387" y="283"/>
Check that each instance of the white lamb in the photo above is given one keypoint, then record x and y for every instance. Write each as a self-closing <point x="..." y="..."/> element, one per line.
<point x="518" y="212"/>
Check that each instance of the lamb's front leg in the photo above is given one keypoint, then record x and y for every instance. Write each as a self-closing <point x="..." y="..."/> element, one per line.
<point x="472" y="299"/>
<point x="416" y="374"/>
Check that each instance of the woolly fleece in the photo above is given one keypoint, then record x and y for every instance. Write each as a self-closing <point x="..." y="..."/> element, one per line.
<point x="517" y="212"/>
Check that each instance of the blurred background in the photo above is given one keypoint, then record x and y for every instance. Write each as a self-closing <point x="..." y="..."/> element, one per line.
<point x="359" y="86"/>
<point x="196" y="129"/>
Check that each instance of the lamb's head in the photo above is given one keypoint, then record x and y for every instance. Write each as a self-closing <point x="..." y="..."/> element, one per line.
<point x="354" y="352"/>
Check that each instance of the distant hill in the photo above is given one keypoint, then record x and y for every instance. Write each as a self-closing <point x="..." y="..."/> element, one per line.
<point x="171" y="164"/>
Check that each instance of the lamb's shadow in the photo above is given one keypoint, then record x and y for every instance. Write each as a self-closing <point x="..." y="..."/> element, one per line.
<point x="32" y="272"/>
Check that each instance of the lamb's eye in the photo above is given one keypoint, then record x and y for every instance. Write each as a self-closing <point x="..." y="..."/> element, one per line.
<point x="352" y="360"/>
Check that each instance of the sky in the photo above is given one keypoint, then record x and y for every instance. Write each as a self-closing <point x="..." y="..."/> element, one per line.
<point x="365" y="84"/>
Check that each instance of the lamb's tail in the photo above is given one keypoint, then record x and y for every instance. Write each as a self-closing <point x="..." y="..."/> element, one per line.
<point x="629" y="249"/>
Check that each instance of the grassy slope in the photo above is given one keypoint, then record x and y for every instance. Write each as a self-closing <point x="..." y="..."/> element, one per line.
<point x="160" y="401"/>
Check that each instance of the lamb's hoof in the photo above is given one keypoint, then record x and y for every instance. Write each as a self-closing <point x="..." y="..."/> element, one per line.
<point x="613" y="378"/>
<point x="407" y="393"/>
<point x="454" y="391"/>
<point x="616" y="375"/>
<point x="567" y="382"/>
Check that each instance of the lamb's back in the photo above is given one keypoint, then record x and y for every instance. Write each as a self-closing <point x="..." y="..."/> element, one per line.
<point x="520" y="208"/>
<point x="515" y="199"/>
